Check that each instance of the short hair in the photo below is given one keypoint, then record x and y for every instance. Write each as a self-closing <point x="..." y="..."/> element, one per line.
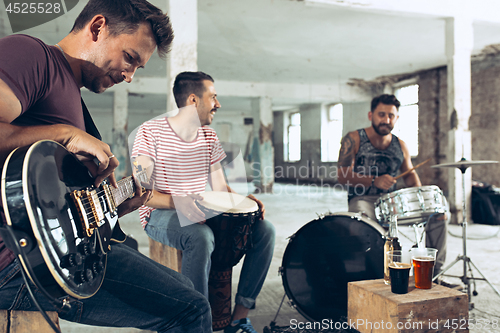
<point x="187" y="83"/>
<point x="385" y="99"/>
<point x="125" y="16"/>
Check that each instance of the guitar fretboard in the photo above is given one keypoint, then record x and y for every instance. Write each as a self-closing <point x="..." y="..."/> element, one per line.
<point x="126" y="187"/>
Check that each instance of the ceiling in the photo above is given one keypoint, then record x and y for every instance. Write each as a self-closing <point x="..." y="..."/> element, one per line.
<point x="291" y="41"/>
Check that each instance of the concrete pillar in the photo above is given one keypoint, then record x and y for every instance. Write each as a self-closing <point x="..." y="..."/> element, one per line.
<point x="263" y="164"/>
<point x="459" y="43"/>
<point x="184" y="55"/>
<point x="120" y="132"/>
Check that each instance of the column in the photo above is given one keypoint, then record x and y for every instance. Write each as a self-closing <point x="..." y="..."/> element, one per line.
<point x="263" y="164"/>
<point x="184" y="55"/>
<point x="459" y="43"/>
<point x="120" y="132"/>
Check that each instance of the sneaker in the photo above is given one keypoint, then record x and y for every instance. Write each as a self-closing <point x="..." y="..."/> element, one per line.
<point x="240" y="326"/>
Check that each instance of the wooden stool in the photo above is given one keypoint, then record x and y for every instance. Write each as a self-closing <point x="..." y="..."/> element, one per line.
<point x="26" y="321"/>
<point x="219" y="283"/>
<point x="165" y="255"/>
<point x="372" y="307"/>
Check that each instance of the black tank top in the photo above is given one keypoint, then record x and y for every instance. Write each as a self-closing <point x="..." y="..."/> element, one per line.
<point x="375" y="162"/>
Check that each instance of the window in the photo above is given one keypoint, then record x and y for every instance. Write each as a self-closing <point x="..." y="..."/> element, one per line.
<point x="292" y="137"/>
<point x="407" y="125"/>
<point x="331" y="132"/>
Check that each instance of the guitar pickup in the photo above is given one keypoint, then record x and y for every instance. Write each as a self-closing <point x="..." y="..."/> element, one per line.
<point x="109" y="197"/>
<point x="90" y="209"/>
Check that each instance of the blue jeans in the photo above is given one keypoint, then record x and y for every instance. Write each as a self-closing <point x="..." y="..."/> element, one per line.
<point x="197" y="244"/>
<point x="136" y="292"/>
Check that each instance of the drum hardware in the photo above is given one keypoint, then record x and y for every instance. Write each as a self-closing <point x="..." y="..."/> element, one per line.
<point x="463" y="165"/>
<point x="417" y="240"/>
<point x="421" y="200"/>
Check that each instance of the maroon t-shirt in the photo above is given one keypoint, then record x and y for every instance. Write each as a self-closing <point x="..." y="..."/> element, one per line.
<point x="42" y="80"/>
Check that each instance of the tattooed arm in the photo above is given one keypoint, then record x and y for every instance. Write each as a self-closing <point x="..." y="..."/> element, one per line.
<point x="348" y="149"/>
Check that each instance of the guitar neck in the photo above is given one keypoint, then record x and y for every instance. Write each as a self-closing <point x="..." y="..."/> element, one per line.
<point x="126" y="188"/>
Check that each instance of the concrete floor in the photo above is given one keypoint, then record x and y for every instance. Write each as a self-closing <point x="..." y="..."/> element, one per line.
<point x="293" y="206"/>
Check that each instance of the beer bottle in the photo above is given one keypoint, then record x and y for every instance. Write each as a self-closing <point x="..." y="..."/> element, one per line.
<point x="391" y="244"/>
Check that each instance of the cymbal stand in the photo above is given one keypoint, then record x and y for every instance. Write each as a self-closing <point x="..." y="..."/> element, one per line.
<point x="467" y="262"/>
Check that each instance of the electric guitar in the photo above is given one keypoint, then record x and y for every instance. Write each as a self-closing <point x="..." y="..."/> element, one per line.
<point x="63" y="223"/>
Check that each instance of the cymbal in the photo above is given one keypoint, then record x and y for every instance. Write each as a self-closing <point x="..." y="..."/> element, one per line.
<point x="462" y="164"/>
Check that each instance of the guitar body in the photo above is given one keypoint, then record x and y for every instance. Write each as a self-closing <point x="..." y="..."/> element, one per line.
<point x="61" y="254"/>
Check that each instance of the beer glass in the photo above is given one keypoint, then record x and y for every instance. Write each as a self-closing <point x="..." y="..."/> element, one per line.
<point x="423" y="266"/>
<point x="399" y="270"/>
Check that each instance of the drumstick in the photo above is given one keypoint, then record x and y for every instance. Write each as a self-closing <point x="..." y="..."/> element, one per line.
<point x="416" y="166"/>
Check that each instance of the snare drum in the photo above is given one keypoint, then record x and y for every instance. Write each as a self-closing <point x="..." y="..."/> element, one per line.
<point x="324" y="255"/>
<point x="230" y="216"/>
<point x="410" y="205"/>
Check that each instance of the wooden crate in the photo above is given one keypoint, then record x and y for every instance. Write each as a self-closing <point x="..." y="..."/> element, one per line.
<point x="26" y="321"/>
<point x="372" y="307"/>
<point x="165" y="255"/>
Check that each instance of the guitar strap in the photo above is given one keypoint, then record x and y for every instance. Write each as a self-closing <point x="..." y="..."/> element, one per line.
<point x="90" y="126"/>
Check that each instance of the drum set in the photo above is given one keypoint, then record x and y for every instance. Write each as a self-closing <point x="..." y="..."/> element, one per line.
<point x="327" y="253"/>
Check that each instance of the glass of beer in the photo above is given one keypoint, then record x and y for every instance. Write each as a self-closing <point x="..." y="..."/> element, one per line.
<point x="399" y="270"/>
<point x="423" y="266"/>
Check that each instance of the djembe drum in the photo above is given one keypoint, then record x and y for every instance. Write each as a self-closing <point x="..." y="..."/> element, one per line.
<point x="230" y="216"/>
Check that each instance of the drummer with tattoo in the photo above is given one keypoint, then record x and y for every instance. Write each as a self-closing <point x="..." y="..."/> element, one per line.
<point x="369" y="160"/>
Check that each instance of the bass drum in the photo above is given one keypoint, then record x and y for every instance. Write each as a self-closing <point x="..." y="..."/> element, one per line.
<point x="324" y="255"/>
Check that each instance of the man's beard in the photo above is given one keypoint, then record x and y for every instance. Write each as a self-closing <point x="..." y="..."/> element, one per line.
<point x="379" y="129"/>
<point x="91" y="78"/>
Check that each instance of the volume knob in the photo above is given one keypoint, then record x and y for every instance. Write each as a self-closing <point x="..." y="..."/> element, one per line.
<point x="97" y="267"/>
<point x="84" y="276"/>
<point x="86" y="249"/>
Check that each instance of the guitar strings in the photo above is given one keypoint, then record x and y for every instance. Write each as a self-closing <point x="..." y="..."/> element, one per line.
<point x="125" y="181"/>
<point x="102" y="193"/>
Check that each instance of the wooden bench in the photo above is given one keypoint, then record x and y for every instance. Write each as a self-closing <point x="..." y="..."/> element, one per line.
<point x="26" y="321"/>
<point x="372" y="307"/>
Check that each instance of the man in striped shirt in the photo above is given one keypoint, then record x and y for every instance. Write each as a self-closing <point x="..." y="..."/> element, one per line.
<point x="186" y="154"/>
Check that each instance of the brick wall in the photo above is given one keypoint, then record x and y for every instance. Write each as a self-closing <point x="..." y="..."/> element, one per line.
<point x="484" y="122"/>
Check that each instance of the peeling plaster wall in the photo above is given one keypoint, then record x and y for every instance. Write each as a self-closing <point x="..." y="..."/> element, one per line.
<point x="433" y="121"/>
